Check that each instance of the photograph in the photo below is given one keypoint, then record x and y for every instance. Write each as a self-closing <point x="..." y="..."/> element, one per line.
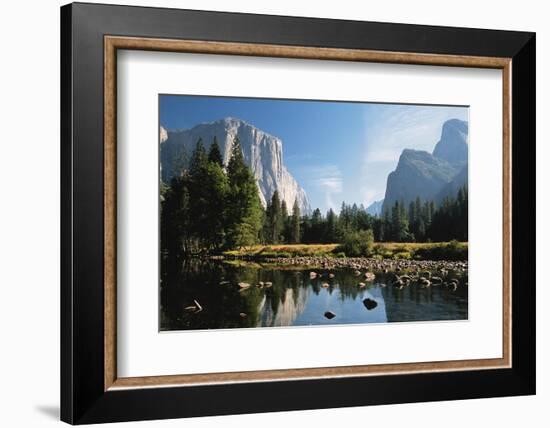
<point x="283" y="212"/>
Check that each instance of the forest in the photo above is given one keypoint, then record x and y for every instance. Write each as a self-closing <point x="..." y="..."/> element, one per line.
<point x="210" y="207"/>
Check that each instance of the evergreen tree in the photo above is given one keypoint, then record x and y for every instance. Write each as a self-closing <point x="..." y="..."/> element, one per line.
<point x="198" y="159"/>
<point x="413" y="219"/>
<point x="331" y="233"/>
<point x="378" y="229"/>
<point x="387" y="226"/>
<point x="215" y="155"/>
<point x="345" y="217"/>
<point x="244" y="210"/>
<point x="285" y="223"/>
<point x="174" y="217"/>
<point x="215" y="190"/>
<point x="198" y="197"/>
<point x="395" y="222"/>
<point x="295" y="224"/>
<point x="275" y="219"/>
<point x="400" y="223"/>
<point x="313" y="230"/>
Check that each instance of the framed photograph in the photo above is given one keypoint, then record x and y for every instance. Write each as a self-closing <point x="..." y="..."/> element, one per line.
<point x="266" y="213"/>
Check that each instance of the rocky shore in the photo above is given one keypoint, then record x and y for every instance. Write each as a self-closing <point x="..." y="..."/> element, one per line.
<point x="369" y="264"/>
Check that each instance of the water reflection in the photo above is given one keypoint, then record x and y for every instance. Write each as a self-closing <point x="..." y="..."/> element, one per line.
<point x="282" y="297"/>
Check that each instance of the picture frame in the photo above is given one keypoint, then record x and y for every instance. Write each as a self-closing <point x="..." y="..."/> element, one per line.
<point x="91" y="35"/>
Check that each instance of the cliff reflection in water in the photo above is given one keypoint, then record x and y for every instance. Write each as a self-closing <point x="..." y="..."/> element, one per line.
<point x="206" y="295"/>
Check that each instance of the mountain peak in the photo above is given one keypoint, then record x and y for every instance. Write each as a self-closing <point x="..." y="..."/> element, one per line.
<point x="262" y="152"/>
<point x="426" y="175"/>
<point x="453" y="144"/>
<point x="375" y="208"/>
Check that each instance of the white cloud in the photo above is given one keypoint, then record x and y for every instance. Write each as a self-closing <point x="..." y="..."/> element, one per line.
<point x="327" y="179"/>
<point x="389" y="129"/>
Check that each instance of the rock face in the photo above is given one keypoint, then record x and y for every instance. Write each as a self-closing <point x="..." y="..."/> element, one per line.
<point x="431" y="176"/>
<point x="375" y="208"/>
<point x="453" y="145"/>
<point x="262" y="152"/>
<point x="451" y="188"/>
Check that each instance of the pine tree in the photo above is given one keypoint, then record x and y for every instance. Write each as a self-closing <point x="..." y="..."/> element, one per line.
<point x="244" y="210"/>
<point x="285" y="223"/>
<point x="215" y="190"/>
<point x="198" y="197"/>
<point x="275" y="219"/>
<point x="387" y="225"/>
<point x="215" y="155"/>
<point x="331" y="234"/>
<point x="413" y="219"/>
<point x="395" y="223"/>
<point x="295" y="223"/>
<point x="198" y="158"/>
<point x="315" y="232"/>
<point x="174" y="217"/>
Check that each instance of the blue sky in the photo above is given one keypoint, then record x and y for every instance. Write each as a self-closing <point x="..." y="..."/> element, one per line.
<point x="337" y="151"/>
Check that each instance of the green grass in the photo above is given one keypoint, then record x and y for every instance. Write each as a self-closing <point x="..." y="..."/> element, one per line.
<point x="382" y="250"/>
<point x="286" y="251"/>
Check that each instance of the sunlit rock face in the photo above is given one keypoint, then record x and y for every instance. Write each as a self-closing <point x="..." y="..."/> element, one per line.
<point x="262" y="152"/>
<point x="453" y="144"/>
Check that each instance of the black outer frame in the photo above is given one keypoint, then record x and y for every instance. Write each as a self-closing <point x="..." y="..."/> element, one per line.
<point x="83" y="399"/>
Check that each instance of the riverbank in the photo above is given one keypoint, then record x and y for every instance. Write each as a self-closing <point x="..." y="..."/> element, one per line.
<point x="414" y="251"/>
<point x="360" y="264"/>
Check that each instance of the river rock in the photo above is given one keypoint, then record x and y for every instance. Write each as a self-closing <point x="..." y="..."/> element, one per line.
<point x="369" y="276"/>
<point x="330" y="315"/>
<point x="370" y="303"/>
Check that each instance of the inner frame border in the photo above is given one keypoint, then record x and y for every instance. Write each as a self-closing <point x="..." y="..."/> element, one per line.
<point x="113" y="43"/>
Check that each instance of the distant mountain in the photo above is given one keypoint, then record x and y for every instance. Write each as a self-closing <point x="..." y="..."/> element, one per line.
<point x="262" y="152"/>
<point x="453" y="144"/>
<point x="375" y="208"/>
<point x="431" y="176"/>
<point x="451" y="189"/>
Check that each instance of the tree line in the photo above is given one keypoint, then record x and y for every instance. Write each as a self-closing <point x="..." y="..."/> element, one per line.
<point x="208" y="208"/>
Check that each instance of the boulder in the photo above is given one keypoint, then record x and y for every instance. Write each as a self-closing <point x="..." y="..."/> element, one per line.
<point x="370" y="303"/>
<point x="330" y="315"/>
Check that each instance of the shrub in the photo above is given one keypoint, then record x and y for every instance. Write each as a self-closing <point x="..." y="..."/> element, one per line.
<point x="402" y="255"/>
<point x="357" y="244"/>
<point x="449" y="251"/>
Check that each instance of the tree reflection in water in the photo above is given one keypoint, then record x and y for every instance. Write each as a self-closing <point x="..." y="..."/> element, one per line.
<point x="293" y="299"/>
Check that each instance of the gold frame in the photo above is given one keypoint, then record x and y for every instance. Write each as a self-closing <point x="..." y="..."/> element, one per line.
<point x="113" y="43"/>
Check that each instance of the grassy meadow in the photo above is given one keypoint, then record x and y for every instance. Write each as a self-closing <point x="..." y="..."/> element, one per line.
<point x="452" y="250"/>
